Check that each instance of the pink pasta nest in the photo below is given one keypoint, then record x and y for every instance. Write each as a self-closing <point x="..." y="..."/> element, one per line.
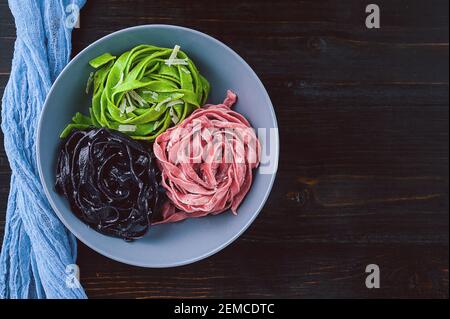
<point x="207" y="162"/>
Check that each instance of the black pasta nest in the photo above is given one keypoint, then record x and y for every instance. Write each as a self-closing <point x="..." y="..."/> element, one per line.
<point x="111" y="181"/>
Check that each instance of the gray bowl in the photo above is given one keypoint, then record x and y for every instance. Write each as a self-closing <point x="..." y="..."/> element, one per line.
<point x="178" y="243"/>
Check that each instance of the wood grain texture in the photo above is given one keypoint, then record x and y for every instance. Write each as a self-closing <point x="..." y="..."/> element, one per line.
<point x="363" y="174"/>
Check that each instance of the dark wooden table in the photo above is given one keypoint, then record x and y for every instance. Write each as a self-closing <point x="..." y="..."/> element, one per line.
<point x="363" y="174"/>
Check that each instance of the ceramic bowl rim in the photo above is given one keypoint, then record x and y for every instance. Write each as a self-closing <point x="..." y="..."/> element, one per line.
<point x="79" y="235"/>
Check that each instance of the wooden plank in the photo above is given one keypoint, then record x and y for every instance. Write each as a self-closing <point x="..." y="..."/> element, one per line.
<point x="277" y="271"/>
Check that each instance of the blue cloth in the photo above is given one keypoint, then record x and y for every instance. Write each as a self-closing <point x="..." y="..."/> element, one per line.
<point x="37" y="247"/>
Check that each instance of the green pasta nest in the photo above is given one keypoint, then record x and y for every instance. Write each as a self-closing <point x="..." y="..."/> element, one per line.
<point x="143" y="92"/>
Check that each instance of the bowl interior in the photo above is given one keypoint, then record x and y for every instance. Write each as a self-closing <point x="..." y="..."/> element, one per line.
<point x="172" y="244"/>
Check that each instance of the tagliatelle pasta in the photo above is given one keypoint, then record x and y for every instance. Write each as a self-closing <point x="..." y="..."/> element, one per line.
<point x="206" y="162"/>
<point x="142" y="92"/>
<point x="110" y="181"/>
